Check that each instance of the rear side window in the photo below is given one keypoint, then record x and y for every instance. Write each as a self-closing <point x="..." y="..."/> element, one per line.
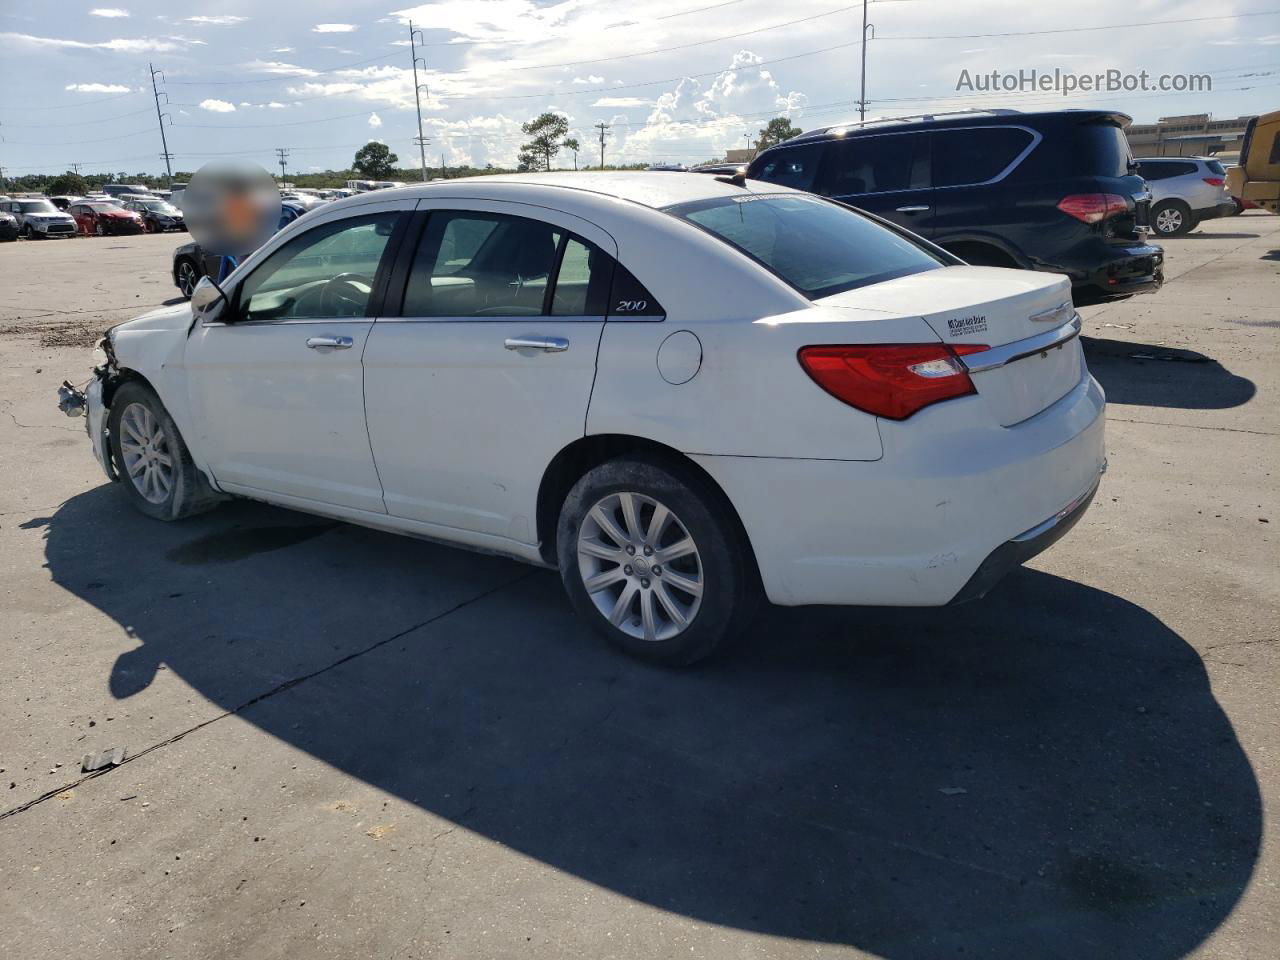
<point x="1100" y="150"/>
<point x="976" y="155"/>
<point x="876" y="164"/>
<point x="790" y="167"/>
<point x="818" y="247"/>
<point x="582" y="280"/>
<point x="1165" y="169"/>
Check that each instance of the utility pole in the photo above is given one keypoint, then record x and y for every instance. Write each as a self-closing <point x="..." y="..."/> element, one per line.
<point x="862" y="94"/>
<point x="76" y="168"/>
<point x="283" y="154"/>
<point x="414" y="37"/>
<point x="444" y="171"/>
<point x="602" y="127"/>
<point x="164" y="143"/>
<point x="748" y="136"/>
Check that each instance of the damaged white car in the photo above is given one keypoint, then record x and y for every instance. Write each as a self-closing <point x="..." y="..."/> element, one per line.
<point x="676" y="389"/>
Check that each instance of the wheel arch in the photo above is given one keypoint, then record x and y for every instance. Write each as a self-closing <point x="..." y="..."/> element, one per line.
<point x="585" y="453"/>
<point x="984" y="250"/>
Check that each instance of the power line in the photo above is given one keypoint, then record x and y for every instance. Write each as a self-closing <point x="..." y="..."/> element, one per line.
<point x="1109" y="26"/>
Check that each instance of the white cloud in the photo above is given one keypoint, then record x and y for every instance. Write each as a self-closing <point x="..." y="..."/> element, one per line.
<point x="622" y="102"/>
<point x="375" y="120"/>
<point x="217" y="106"/>
<point x="132" y="45"/>
<point x="589" y="78"/>
<point x="221" y="20"/>
<point x="97" y="87"/>
<point x="279" y="68"/>
<point x="333" y="28"/>
<point x="109" y="12"/>
<point x="283" y="50"/>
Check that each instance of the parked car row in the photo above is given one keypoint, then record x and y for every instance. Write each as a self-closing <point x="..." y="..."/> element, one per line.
<point x="50" y="217"/>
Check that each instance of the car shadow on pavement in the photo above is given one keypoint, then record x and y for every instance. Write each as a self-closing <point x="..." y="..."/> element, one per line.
<point x="1218" y="236"/>
<point x="1143" y="375"/>
<point x="1043" y="773"/>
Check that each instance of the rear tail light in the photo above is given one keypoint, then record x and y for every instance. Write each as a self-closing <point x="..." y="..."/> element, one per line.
<point x="1093" y="207"/>
<point x="1214" y="181"/>
<point x="892" y="380"/>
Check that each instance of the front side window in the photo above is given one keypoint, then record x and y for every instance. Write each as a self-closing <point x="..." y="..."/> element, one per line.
<point x="876" y="164"/>
<point x="795" y="167"/>
<point x="326" y="272"/>
<point x="818" y="247"/>
<point x="482" y="265"/>
<point x="962" y="157"/>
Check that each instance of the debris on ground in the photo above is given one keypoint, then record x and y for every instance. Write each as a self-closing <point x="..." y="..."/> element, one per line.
<point x="111" y="757"/>
<point x="952" y="791"/>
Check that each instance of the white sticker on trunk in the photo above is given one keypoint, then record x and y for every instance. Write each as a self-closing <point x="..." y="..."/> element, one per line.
<point x="963" y="326"/>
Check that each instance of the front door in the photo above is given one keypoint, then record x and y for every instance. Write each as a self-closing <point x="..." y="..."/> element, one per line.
<point x="487" y="372"/>
<point x="277" y="390"/>
<point x="886" y="174"/>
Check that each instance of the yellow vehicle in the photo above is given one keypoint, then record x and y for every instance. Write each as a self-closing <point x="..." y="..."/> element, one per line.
<point x="1257" y="177"/>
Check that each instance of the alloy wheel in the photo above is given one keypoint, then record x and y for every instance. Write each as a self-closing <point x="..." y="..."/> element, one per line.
<point x="186" y="278"/>
<point x="148" y="458"/>
<point x="1169" y="220"/>
<point x="640" y="566"/>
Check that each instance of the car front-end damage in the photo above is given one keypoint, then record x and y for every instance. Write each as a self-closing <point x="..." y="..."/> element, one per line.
<point x="93" y="402"/>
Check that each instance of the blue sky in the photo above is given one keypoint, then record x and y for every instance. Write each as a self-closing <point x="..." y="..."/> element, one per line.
<point x="677" y="80"/>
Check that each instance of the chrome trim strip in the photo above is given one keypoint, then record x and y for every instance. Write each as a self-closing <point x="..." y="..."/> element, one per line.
<point x="998" y="357"/>
<point x="1070" y="508"/>
<point x="1052" y="313"/>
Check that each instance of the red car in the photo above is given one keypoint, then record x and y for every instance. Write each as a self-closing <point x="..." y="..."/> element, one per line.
<point x="102" y="218"/>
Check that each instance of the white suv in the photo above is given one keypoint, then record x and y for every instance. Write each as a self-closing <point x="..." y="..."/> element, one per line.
<point x="1185" y="191"/>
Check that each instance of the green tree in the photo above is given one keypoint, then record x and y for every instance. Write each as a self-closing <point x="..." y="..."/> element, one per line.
<point x="374" y="161"/>
<point x="775" y="131"/>
<point x="572" y="144"/>
<point x="68" y="184"/>
<point x="548" y="133"/>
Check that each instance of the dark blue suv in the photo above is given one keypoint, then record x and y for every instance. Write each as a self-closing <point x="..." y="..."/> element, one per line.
<point x="1055" y="191"/>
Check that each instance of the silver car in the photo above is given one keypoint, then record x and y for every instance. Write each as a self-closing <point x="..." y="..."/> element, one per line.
<point x="40" y="218"/>
<point x="1184" y="192"/>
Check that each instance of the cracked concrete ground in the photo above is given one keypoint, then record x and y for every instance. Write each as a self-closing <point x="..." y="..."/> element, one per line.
<point x="343" y="743"/>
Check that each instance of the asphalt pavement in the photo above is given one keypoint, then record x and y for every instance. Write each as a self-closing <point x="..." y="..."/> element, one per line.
<point x="342" y="743"/>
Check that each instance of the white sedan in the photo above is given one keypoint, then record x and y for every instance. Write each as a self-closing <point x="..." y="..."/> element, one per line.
<point x="676" y="389"/>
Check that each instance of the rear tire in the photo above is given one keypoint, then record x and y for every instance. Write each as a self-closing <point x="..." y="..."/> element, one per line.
<point x="188" y="276"/>
<point x="651" y="558"/>
<point x="1171" y="218"/>
<point x="152" y="461"/>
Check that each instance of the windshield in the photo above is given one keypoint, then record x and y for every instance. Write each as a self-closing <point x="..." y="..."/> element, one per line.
<point x="159" y="206"/>
<point x="38" y="206"/>
<point x="103" y="207"/>
<point x="819" y="247"/>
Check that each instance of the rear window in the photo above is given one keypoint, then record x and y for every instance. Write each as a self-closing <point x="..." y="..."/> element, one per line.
<point x="1215" y="167"/>
<point x="818" y="247"/>
<point x="1102" y="150"/>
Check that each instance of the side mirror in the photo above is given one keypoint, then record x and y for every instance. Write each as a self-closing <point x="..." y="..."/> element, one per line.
<point x="205" y="297"/>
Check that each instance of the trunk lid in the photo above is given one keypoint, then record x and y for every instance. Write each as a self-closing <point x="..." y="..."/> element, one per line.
<point x="1017" y="311"/>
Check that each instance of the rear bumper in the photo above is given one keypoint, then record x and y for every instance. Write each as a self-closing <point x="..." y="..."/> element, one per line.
<point x="1014" y="553"/>
<point x="1225" y="209"/>
<point x="1122" y="271"/>
<point x="915" y="527"/>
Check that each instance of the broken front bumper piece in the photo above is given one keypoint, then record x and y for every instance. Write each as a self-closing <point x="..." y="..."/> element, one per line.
<point x="88" y="404"/>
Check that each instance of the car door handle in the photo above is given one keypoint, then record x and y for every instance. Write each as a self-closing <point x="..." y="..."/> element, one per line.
<point x="545" y="344"/>
<point x="915" y="208"/>
<point x="338" y="343"/>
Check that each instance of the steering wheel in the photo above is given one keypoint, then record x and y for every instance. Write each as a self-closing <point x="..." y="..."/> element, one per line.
<point x="344" y="291"/>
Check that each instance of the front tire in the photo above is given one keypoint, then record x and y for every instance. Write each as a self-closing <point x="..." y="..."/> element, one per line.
<point x="155" y="468"/>
<point x="1172" y="218"/>
<point x="100" y="230"/>
<point x="653" y="560"/>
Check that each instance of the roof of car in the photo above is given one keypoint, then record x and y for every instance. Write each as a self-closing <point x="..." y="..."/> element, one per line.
<point x="656" y="189"/>
<point x="958" y="118"/>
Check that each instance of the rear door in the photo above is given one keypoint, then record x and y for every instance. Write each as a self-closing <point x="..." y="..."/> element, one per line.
<point x="486" y="373"/>
<point x="969" y="174"/>
<point x="886" y="174"/>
